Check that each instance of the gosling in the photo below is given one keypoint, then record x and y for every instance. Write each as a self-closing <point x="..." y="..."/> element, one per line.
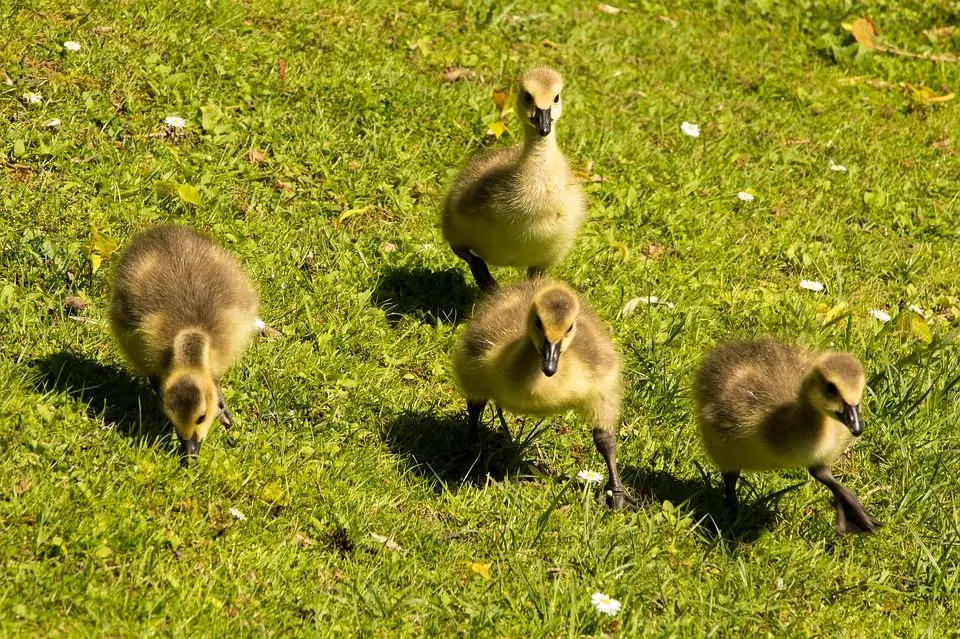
<point x="535" y="348"/>
<point x="765" y="405"/>
<point x="519" y="206"/>
<point x="183" y="311"/>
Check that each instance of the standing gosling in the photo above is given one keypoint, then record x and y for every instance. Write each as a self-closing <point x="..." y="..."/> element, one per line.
<point x="535" y="348"/>
<point x="764" y="405"/>
<point x="183" y="311"/>
<point x="519" y="206"/>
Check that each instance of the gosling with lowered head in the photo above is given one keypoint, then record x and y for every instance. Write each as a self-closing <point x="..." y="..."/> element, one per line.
<point x="183" y="311"/>
<point x="765" y="405"/>
<point x="535" y="348"/>
<point x="519" y="206"/>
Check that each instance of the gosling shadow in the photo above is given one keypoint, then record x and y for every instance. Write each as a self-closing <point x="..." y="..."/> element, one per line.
<point x="432" y="297"/>
<point x="437" y="447"/>
<point x="123" y="402"/>
<point x="703" y="500"/>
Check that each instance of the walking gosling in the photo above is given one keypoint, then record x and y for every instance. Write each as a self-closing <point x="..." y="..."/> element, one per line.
<point x="519" y="206"/>
<point x="765" y="405"/>
<point x="535" y="348"/>
<point x="183" y="311"/>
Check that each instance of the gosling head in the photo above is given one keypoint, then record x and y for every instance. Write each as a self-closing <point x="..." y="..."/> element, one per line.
<point x="835" y="386"/>
<point x="538" y="101"/>
<point x="190" y="401"/>
<point x="552" y="325"/>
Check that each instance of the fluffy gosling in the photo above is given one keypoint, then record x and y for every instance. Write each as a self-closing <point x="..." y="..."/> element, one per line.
<point x="183" y="311"/>
<point x="535" y="348"/>
<point x="765" y="405"/>
<point x="519" y="206"/>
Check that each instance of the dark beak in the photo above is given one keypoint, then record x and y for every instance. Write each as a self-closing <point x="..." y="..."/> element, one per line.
<point x="550" y="354"/>
<point x="850" y="416"/>
<point x="189" y="450"/>
<point x="541" y="119"/>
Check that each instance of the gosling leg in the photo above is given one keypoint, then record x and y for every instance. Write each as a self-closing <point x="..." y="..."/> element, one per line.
<point x="474" y="413"/>
<point x="852" y="517"/>
<point x="606" y="443"/>
<point x="155" y="385"/>
<point x="226" y="417"/>
<point x="730" y="490"/>
<point x="478" y="267"/>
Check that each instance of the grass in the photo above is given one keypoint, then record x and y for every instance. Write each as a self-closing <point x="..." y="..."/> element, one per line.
<point x="350" y="423"/>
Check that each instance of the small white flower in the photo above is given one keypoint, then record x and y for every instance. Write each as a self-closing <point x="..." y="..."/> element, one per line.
<point x="70" y="45"/>
<point x="32" y="98"/>
<point x="810" y="285"/>
<point x="590" y="476"/>
<point x="693" y="130"/>
<point x="879" y="314"/>
<point x="175" y="122"/>
<point x="743" y="196"/>
<point x="237" y="514"/>
<point x="605" y="604"/>
<point x="52" y="124"/>
<point x="917" y="309"/>
<point x="839" y="168"/>
<point x="259" y="324"/>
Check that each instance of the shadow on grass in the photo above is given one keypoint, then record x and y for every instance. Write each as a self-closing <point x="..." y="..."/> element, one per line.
<point x="433" y="297"/>
<point x="123" y="402"/>
<point x="705" y="503"/>
<point x="437" y="447"/>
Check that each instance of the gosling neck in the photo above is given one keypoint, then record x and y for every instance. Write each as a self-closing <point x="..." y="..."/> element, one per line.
<point x="536" y="146"/>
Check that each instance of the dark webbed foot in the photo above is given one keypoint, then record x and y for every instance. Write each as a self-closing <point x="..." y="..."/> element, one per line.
<point x="474" y="413"/>
<point x="478" y="267"/>
<point x="852" y="517"/>
<point x="616" y="495"/>
<point x="226" y="417"/>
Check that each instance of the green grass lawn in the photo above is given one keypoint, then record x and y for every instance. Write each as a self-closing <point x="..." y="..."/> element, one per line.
<point x="320" y="138"/>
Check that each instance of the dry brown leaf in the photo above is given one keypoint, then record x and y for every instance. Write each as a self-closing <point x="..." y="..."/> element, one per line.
<point x="284" y="186"/>
<point x="73" y="304"/>
<point x="940" y="33"/>
<point x="456" y="73"/>
<point x="301" y="539"/>
<point x="21" y="487"/>
<point x="387" y="542"/>
<point x="256" y="156"/>
<point x="864" y="32"/>
<point x="282" y="69"/>
<point x="500" y="100"/>
<point x="606" y="8"/>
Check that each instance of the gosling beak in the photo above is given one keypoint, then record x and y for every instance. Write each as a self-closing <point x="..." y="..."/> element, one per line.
<point x="550" y="354"/>
<point x="541" y="120"/>
<point x="189" y="450"/>
<point x="850" y="416"/>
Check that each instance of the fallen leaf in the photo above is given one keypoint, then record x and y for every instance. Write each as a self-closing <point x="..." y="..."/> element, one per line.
<point x="653" y="251"/>
<point x="387" y="542"/>
<point x="940" y="33"/>
<point x="864" y="31"/>
<point x="282" y="69"/>
<point x="496" y="129"/>
<point x="455" y="73"/>
<point x="606" y="8"/>
<point x="501" y="99"/>
<point x="597" y="178"/>
<point x="388" y="247"/>
<point x="482" y="570"/>
<point x="189" y="194"/>
<point x="301" y="539"/>
<point x="284" y="186"/>
<point x="256" y="156"/>
<point x="21" y="487"/>
<point x="102" y="244"/>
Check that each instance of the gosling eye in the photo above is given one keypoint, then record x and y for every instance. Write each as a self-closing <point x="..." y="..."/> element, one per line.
<point x="556" y="100"/>
<point x="569" y="329"/>
<point x="538" y="324"/>
<point x="527" y="98"/>
<point x="201" y="419"/>
<point x="831" y="389"/>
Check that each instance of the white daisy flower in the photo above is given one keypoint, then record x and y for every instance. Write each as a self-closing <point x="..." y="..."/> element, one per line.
<point x="605" y="604"/>
<point x="590" y="476"/>
<point x="237" y="514"/>
<point x="71" y="45"/>
<point x="839" y="168"/>
<point x="811" y="285"/>
<point x="743" y="196"/>
<point x="32" y="98"/>
<point x="52" y="124"/>
<point x="693" y="130"/>
<point x="175" y="122"/>
<point x="879" y="314"/>
<point x="259" y="324"/>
